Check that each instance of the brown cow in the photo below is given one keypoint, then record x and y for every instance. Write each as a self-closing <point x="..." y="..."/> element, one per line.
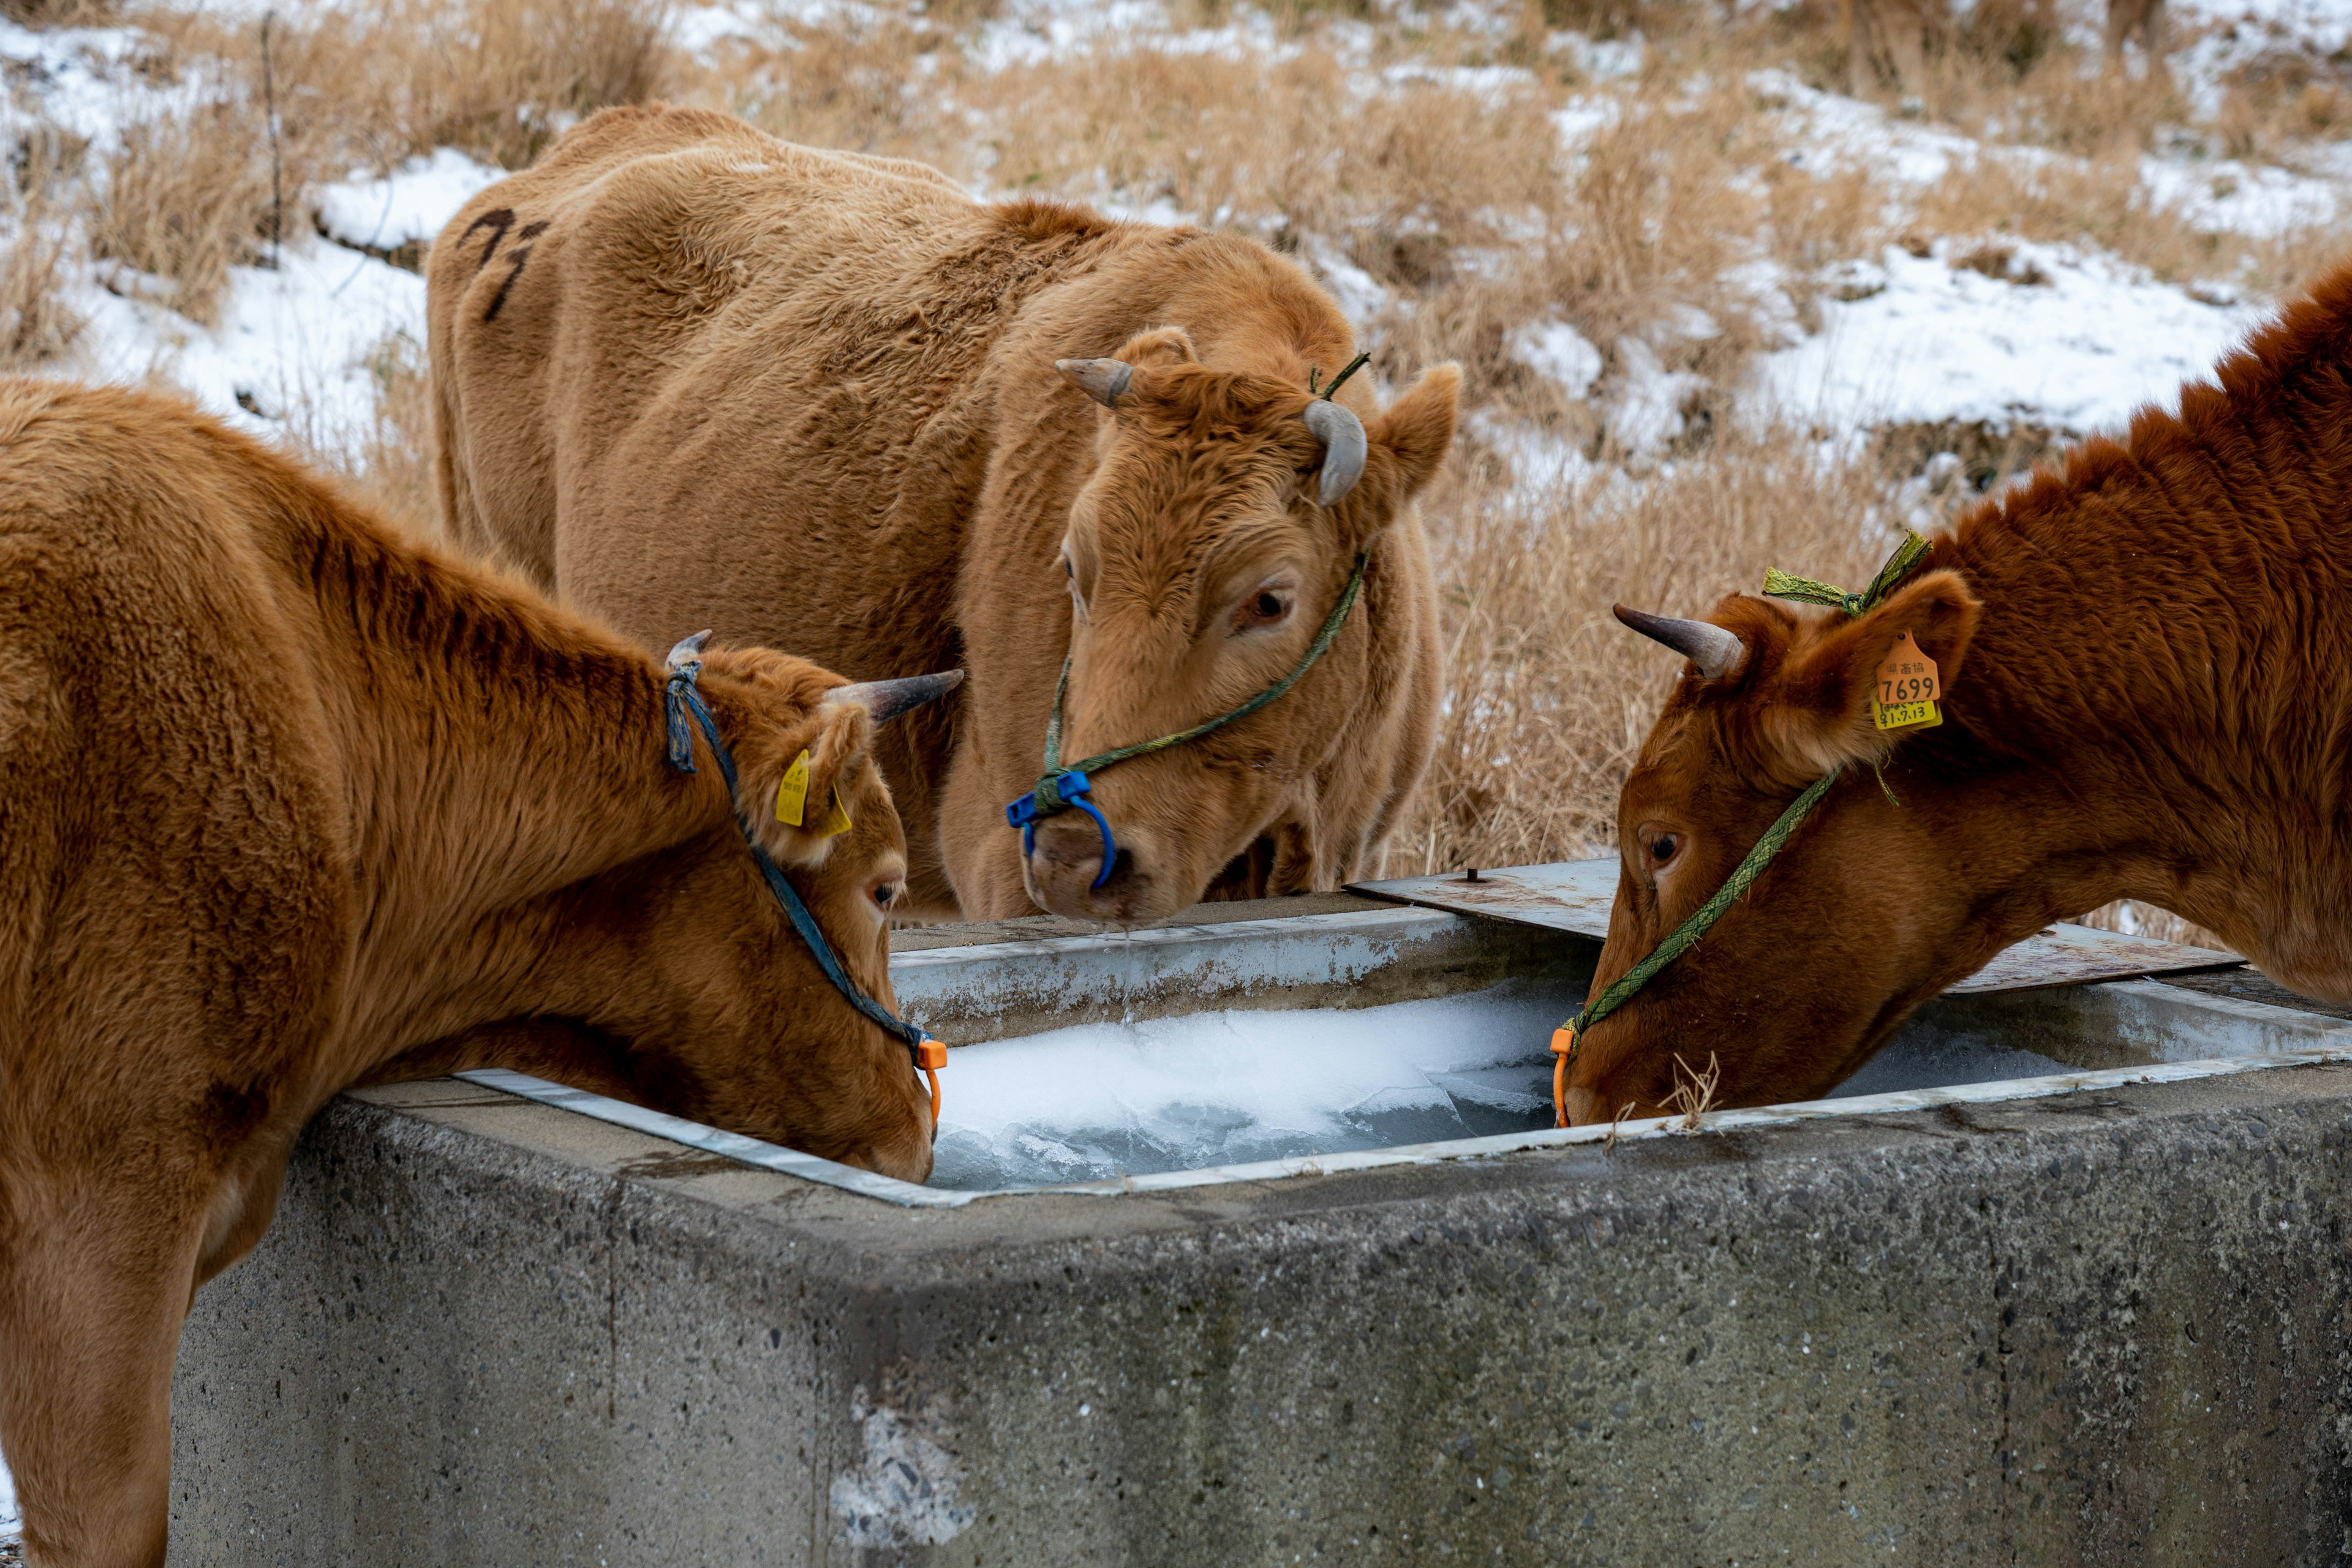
<point x="284" y="802"/>
<point x="2146" y="697"/>
<point x="685" y="370"/>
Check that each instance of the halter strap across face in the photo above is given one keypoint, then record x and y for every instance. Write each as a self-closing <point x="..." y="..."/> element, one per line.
<point x="682" y="700"/>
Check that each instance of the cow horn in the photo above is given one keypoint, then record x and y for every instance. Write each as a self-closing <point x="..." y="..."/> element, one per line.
<point x="1104" y="380"/>
<point x="1717" y="652"/>
<point x="687" y="650"/>
<point x="1342" y="435"/>
<point x="885" y="699"/>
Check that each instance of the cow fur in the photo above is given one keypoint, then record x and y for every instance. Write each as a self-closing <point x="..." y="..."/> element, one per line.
<point x="2148" y="696"/>
<point x="685" y="371"/>
<point x="287" y="804"/>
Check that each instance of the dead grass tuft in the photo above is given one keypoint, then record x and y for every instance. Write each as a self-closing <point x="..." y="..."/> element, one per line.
<point x="36" y="325"/>
<point x="185" y="197"/>
<point x="1694" y="1091"/>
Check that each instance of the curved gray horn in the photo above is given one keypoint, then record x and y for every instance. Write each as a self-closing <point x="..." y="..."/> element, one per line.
<point x="1342" y="435"/>
<point x="1717" y="652"/>
<point x="885" y="699"/>
<point x="687" y="650"/>
<point x="1104" y="380"/>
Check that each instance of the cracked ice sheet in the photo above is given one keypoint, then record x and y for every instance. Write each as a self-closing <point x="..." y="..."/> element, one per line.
<point x="1210" y="1089"/>
<point x="294" y="340"/>
<point x="1939" y="342"/>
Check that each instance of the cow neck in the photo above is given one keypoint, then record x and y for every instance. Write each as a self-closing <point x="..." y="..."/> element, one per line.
<point x="2109" y="734"/>
<point x="504" y="753"/>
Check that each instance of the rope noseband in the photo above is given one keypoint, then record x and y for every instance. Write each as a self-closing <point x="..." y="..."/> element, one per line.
<point x="681" y="699"/>
<point x="1779" y="585"/>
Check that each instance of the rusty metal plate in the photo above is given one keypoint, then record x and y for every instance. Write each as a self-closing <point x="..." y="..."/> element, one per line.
<point x="1575" y="896"/>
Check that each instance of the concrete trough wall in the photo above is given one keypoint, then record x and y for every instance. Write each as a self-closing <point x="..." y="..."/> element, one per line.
<point x="2104" y="1327"/>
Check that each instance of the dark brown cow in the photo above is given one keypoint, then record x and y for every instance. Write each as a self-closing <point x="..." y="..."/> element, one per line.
<point x="286" y="804"/>
<point x="2148" y="666"/>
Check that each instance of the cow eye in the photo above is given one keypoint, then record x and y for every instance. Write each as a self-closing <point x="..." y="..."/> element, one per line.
<point x="885" y="894"/>
<point x="1266" y="607"/>
<point x="1662" y="847"/>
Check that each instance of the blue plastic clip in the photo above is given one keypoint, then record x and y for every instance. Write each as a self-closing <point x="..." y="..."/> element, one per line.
<point x="1071" y="788"/>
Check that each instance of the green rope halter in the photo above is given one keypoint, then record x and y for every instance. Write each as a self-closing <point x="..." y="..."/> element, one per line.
<point x="1779" y="585"/>
<point x="1060" y="789"/>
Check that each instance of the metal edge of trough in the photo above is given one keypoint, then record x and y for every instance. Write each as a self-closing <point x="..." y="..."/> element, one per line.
<point x="1357" y="958"/>
<point x="2134" y="1005"/>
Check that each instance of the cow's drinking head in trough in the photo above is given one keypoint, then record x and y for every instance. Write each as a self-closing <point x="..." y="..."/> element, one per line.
<point x="1219" y="531"/>
<point x="742" y="1026"/>
<point x="1849" y="926"/>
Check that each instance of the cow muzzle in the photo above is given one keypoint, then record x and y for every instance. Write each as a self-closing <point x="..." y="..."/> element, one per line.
<point x="1066" y="876"/>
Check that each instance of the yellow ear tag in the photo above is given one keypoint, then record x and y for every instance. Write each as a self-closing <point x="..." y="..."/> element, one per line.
<point x="791" y="795"/>
<point x="1905" y="697"/>
<point x="836" y="820"/>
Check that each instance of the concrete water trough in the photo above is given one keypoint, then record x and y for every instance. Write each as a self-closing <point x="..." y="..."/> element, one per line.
<point x="1252" y="1242"/>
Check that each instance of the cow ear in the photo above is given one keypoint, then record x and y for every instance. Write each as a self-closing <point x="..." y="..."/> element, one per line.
<point x="1815" y="711"/>
<point x="1159" y="347"/>
<point x="1418" y="428"/>
<point x="794" y="786"/>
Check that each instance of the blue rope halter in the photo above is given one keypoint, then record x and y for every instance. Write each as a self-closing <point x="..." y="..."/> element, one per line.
<point x="681" y="699"/>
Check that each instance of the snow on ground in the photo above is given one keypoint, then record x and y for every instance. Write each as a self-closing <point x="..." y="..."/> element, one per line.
<point x="2063" y="339"/>
<point x="295" y="343"/>
<point x="407" y="206"/>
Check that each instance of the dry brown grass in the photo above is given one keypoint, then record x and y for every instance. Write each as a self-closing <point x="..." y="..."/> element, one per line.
<point x="387" y="464"/>
<point x="37" y="325"/>
<point x="185" y="197"/>
<point x="1693" y="1092"/>
<point x="1549" y="698"/>
<point x="371" y="84"/>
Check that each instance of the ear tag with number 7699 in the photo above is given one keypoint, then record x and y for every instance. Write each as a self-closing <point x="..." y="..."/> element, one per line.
<point x="1905" y="697"/>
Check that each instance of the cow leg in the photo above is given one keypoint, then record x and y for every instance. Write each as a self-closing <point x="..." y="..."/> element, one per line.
<point x="93" y="1293"/>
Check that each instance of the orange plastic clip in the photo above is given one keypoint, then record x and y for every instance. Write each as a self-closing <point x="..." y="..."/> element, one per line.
<point x="1563" y="1050"/>
<point x="931" y="1055"/>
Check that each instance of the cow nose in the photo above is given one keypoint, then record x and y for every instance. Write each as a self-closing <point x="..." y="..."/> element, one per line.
<point x="1070" y="848"/>
<point x="1067" y="861"/>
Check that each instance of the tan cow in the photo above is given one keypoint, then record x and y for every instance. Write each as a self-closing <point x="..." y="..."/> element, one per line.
<point x="287" y="802"/>
<point x="687" y="372"/>
<point x="2144" y="694"/>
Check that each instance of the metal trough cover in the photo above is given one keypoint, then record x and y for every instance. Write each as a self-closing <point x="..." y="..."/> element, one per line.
<point x="1575" y="896"/>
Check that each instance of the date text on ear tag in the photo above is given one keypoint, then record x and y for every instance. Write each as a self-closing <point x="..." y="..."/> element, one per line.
<point x="838" y="819"/>
<point x="791" y="795"/>
<point x="1905" y="697"/>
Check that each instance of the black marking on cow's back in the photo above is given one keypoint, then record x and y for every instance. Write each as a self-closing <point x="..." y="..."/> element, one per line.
<point x="498" y="220"/>
<point x="520" y="254"/>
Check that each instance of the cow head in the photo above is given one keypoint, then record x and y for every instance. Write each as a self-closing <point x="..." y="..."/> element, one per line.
<point x="741" y="1028"/>
<point x="1221" y="521"/>
<point x="1861" y="916"/>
